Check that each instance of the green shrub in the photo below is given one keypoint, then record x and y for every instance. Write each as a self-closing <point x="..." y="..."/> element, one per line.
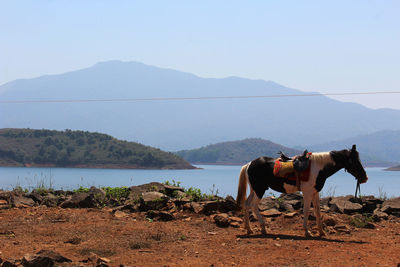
<point x="361" y="221"/>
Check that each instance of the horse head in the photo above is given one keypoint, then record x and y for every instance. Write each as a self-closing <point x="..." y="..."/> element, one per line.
<point x="354" y="167"/>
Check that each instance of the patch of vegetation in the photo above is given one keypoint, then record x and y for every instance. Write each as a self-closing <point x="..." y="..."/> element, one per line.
<point x="81" y="189"/>
<point x="173" y="183"/>
<point x="195" y="194"/>
<point x="26" y="147"/>
<point x="381" y="194"/>
<point x="361" y="221"/>
<point x="116" y="193"/>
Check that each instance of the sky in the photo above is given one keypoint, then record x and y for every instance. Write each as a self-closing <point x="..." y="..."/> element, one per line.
<point x="314" y="46"/>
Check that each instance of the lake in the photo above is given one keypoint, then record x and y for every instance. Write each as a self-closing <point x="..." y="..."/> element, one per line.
<point x="210" y="179"/>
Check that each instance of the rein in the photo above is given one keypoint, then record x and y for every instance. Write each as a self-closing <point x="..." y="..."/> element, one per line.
<point x="357" y="189"/>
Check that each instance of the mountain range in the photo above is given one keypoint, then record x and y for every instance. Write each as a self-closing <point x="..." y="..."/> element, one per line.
<point x="182" y="124"/>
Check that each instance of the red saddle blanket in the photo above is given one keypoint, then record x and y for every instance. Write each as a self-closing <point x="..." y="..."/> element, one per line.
<point x="285" y="170"/>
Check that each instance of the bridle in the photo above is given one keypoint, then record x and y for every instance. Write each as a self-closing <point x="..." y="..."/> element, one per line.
<point x="358" y="187"/>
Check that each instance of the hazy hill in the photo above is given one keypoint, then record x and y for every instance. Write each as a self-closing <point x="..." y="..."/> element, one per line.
<point x="19" y="147"/>
<point x="176" y="125"/>
<point x="235" y="152"/>
<point x="381" y="148"/>
<point x="394" y="168"/>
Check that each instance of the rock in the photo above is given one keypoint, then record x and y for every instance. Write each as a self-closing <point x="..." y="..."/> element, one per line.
<point x="137" y="191"/>
<point x="234" y="224"/>
<point x="50" y="200"/>
<point x="213" y="206"/>
<point x="285" y="206"/>
<point x="370" y="203"/>
<point x="174" y="191"/>
<point x="324" y="202"/>
<point x="196" y="207"/>
<point x="80" y="200"/>
<point x="20" y="201"/>
<point x="120" y="214"/>
<point x="379" y="215"/>
<point x="97" y="261"/>
<point x="294" y="200"/>
<point x="128" y="207"/>
<point x="345" y="206"/>
<point x="187" y="206"/>
<point x="235" y="219"/>
<point x="160" y="215"/>
<point x="342" y="229"/>
<point x="74" y="241"/>
<point x="271" y="213"/>
<point x="4" y="204"/>
<point x="222" y="220"/>
<point x="290" y="214"/>
<point x="391" y="206"/>
<point x="6" y="195"/>
<point x="268" y="203"/>
<point x="181" y="196"/>
<point x="228" y="204"/>
<point x="152" y="201"/>
<point x="43" y="258"/>
<point x="210" y="207"/>
<point x="8" y="264"/>
<point x="98" y="194"/>
<point x="329" y="221"/>
<point x="36" y="196"/>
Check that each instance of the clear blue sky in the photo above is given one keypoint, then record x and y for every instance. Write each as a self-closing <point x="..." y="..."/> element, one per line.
<point x="325" y="46"/>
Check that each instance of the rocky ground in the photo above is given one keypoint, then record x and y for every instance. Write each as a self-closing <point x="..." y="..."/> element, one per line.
<point x="158" y="225"/>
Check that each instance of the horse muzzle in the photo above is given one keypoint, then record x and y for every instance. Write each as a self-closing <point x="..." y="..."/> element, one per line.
<point x="364" y="180"/>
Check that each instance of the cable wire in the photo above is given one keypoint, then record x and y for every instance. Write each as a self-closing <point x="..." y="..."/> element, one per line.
<point x="188" y="98"/>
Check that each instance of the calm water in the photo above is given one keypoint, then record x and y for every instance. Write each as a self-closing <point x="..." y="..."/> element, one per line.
<point x="209" y="179"/>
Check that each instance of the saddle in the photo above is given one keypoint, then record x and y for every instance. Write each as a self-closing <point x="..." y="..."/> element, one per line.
<point x="295" y="169"/>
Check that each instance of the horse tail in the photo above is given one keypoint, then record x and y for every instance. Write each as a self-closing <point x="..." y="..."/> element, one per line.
<point x="242" y="187"/>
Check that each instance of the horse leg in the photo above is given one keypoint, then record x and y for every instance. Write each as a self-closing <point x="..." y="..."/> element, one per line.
<point x="254" y="205"/>
<point x="247" y="205"/>
<point x="307" y="197"/>
<point x="317" y="213"/>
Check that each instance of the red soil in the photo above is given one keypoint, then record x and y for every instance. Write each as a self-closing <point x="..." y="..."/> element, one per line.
<point x="190" y="240"/>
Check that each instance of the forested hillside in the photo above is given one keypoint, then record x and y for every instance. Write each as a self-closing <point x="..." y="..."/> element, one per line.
<point x="26" y="147"/>
<point x="235" y="152"/>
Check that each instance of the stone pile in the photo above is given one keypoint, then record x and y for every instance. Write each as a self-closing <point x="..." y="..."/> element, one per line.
<point x="163" y="202"/>
<point x="48" y="258"/>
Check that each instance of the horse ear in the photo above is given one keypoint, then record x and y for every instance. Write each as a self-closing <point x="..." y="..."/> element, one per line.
<point x="353" y="148"/>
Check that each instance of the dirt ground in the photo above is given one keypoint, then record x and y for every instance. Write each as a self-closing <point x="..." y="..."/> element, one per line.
<point x="190" y="240"/>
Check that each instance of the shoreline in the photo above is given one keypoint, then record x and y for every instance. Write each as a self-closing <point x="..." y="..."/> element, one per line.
<point x="102" y="166"/>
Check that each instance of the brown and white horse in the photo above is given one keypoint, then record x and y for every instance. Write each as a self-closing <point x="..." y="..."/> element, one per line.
<point x="259" y="174"/>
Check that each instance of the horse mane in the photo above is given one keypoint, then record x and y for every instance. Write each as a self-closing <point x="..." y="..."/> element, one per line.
<point x="322" y="158"/>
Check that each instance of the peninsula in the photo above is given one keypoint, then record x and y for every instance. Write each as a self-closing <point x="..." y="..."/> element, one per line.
<point x="80" y="149"/>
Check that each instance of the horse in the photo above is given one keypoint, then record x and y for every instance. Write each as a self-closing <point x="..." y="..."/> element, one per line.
<point x="259" y="174"/>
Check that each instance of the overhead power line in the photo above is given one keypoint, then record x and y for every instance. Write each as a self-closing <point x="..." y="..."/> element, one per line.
<point x="187" y="98"/>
